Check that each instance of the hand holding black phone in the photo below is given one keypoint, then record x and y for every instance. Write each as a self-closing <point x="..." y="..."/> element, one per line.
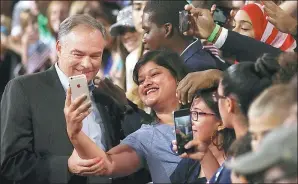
<point x="183" y="130"/>
<point x="183" y="21"/>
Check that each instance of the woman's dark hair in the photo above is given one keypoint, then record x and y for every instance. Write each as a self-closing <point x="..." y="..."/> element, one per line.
<point x="246" y="81"/>
<point x="240" y="146"/>
<point x="168" y="59"/>
<point x="228" y="135"/>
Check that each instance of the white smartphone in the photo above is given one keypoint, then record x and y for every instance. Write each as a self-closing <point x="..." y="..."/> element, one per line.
<point x="79" y="86"/>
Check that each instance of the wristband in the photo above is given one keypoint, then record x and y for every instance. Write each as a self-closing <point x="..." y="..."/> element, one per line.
<point x="214" y="33"/>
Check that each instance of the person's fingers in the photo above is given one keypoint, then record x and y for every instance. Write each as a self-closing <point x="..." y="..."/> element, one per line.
<point x="270" y="4"/>
<point x="184" y="93"/>
<point x="83" y="108"/>
<point x="83" y="115"/>
<point x="184" y="155"/>
<point x="271" y="20"/>
<point x="191" y="93"/>
<point x="191" y="144"/>
<point x="68" y="98"/>
<point x="270" y="13"/>
<point x="88" y="162"/>
<point x="77" y="102"/>
<point x="195" y="155"/>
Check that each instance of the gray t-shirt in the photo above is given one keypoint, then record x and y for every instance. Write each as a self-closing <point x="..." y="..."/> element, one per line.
<point x="153" y="144"/>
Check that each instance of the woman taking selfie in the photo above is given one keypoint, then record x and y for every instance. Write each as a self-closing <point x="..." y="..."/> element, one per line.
<point x="157" y="75"/>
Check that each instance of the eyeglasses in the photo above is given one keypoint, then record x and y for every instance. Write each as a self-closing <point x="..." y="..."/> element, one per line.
<point x="216" y="97"/>
<point x="195" y="115"/>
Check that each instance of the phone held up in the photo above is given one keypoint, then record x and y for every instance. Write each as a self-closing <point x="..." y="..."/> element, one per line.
<point x="183" y="130"/>
<point x="79" y="86"/>
<point x="183" y="21"/>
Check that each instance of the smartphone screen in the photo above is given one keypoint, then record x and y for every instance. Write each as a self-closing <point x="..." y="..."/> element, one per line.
<point x="183" y="21"/>
<point x="183" y="129"/>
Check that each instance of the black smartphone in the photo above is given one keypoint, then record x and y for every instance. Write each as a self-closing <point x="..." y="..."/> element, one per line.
<point x="220" y="15"/>
<point x="183" y="130"/>
<point x="183" y="21"/>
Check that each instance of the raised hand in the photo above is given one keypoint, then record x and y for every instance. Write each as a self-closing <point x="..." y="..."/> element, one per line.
<point x="188" y="86"/>
<point x="201" y="22"/>
<point x="280" y="19"/>
<point x="75" y="112"/>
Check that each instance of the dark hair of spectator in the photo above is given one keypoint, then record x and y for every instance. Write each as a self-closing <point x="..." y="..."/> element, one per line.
<point x="105" y="13"/>
<point x="165" y="11"/>
<point x="246" y="82"/>
<point x="240" y="146"/>
<point x="71" y="22"/>
<point x="167" y="59"/>
<point x="228" y="135"/>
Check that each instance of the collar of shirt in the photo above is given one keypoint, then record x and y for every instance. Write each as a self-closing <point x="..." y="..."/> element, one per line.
<point x="64" y="79"/>
<point x="191" y="49"/>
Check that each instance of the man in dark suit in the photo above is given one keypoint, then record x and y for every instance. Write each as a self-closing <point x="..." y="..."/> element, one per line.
<point x="35" y="148"/>
<point x="161" y="26"/>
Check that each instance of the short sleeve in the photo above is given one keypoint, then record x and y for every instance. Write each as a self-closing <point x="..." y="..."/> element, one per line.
<point x="141" y="142"/>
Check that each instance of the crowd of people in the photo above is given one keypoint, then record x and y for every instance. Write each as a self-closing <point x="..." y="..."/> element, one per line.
<point x="234" y="69"/>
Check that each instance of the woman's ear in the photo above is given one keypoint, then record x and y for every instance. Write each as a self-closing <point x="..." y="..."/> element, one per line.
<point x="168" y="30"/>
<point x="220" y="127"/>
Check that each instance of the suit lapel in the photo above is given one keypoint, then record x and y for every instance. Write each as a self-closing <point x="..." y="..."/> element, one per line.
<point x="56" y="100"/>
<point x="109" y="133"/>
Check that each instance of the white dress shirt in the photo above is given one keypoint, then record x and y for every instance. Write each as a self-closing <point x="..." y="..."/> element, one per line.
<point x="92" y="124"/>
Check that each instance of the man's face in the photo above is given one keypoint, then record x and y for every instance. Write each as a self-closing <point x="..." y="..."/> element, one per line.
<point x="137" y="12"/>
<point x="154" y="36"/>
<point x="80" y="52"/>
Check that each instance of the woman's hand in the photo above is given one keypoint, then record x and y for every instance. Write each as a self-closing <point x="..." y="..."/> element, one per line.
<point x="200" y="149"/>
<point x="87" y="167"/>
<point x="75" y="112"/>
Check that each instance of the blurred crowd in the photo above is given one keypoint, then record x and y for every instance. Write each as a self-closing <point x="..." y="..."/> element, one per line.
<point x="235" y="68"/>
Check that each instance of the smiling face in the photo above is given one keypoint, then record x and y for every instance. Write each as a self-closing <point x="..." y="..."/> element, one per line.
<point x="131" y="40"/>
<point x="206" y="123"/>
<point x="156" y="85"/>
<point x="80" y="52"/>
<point x="242" y="24"/>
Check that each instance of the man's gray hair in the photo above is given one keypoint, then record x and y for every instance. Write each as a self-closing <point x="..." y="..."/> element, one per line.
<point x="71" y="22"/>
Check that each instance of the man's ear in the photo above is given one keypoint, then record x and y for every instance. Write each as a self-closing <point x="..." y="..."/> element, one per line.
<point x="58" y="48"/>
<point x="168" y="30"/>
<point x="230" y="105"/>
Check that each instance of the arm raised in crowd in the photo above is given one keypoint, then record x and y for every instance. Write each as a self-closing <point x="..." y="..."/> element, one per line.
<point x="280" y="18"/>
<point x="194" y="81"/>
<point x="119" y="161"/>
<point x="243" y="47"/>
<point x="19" y="161"/>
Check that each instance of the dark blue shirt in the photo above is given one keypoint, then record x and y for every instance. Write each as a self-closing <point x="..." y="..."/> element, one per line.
<point x="187" y="171"/>
<point x="222" y="175"/>
<point x="198" y="59"/>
